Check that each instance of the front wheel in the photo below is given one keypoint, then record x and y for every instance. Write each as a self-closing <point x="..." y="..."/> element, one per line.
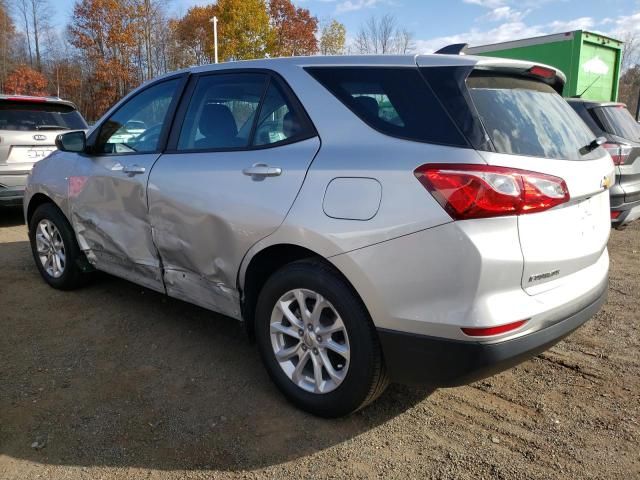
<point x="54" y="247"/>
<point x="317" y="341"/>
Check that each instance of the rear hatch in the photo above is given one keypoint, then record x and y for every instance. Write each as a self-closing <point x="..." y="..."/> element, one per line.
<point x="624" y="147"/>
<point x="28" y="129"/>
<point x="526" y="125"/>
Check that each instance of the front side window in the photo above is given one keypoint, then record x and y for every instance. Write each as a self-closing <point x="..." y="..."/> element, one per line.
<point x="137" y="125"/>
<point x="222" y="111"/>
<point x="527" y="117"/>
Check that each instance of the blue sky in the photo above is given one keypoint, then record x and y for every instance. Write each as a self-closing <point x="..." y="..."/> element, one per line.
<point x="436" y="23"/>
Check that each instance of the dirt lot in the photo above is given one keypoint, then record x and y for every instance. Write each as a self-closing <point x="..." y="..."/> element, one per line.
<point x="114" y="381"/>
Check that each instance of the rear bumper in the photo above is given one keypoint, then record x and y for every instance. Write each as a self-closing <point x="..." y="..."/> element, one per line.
<point x="12" y="187"/>
<point x="441" y="362"/>
<point x="629" y="213"/>
<point x="11" y="196"/>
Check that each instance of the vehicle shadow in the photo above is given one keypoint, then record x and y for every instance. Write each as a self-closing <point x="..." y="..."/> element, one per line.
<point x="11" y="216"/>
<point x="117" y="375"/>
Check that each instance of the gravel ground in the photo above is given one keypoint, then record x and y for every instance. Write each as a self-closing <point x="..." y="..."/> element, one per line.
<point x="115" y="381"/>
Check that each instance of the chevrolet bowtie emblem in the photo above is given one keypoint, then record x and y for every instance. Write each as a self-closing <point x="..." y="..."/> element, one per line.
<point x="606" y="183"/>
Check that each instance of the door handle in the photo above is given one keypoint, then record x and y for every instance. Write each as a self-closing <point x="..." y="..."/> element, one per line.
<point x="262" y="170"/>
<point x="133" y="170"/>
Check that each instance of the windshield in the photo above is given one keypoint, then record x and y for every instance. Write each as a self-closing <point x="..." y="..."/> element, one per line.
<point x="528" y="117"/>
<point x="26" y="116"/>
<point x="618" y="121"/>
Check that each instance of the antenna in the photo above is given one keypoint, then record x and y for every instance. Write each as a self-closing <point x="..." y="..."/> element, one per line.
<point x="587" y="89"/>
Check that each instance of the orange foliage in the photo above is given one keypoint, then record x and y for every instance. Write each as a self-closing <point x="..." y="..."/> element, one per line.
<point x="194" y="34"/>
<point x="26" y="81"/>
<point x="106" y="31"/>
<point x="293" y="30"/>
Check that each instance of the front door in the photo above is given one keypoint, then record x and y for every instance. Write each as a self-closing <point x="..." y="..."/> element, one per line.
<point x="232" y="171"/>
<point x="108" y="198"/>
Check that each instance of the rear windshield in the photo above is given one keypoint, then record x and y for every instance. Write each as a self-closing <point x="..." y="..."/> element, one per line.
<point x="618" y="121"/>
<point x="394" y="101"/>
<point x="528" y="117"/>
<point x="39" y="116"/>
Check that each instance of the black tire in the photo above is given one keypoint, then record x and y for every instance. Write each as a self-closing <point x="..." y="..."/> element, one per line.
<point x="72" y="276"/>
<point x="366" y="377"/>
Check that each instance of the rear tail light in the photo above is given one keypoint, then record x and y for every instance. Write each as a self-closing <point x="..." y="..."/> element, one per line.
<point x="619" y="153"/>
<point x="615" y="215"/>
<point x="482" y="191"/>
<point x="490" y="331"/>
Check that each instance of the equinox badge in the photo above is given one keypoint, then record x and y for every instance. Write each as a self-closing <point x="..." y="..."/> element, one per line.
<point x="544" y="276"/>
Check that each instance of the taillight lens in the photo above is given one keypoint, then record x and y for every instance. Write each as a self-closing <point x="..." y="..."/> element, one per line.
<point x="619" y="153"/>
<point x="482" y="191"/>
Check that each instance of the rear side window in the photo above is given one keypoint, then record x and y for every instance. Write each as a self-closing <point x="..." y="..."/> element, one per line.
<point x="618" y="121"/>
<point x="27" y="116"/>
<point x="395" y="101"/>
<point x="527" y="117"/>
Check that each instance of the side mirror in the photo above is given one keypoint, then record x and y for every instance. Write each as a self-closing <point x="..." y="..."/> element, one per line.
<point x="72" y="142"/>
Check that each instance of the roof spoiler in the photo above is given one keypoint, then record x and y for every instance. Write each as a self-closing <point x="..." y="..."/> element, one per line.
<point x="454" y="49"/>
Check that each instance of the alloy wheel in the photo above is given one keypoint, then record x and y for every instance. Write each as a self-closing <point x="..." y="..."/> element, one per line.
<point x="50" y="248"/>
<point x="310" y="341"/>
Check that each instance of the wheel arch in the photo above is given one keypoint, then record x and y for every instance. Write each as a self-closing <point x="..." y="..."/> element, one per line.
<point x="35" y="201"/>
<point x="265" y="263"/>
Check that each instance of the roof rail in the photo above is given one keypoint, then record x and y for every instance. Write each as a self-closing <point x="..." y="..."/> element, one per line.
<point x="454" y="49"/>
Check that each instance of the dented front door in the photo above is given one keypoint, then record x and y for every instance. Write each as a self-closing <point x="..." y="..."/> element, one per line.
<point x="108" y="197"/>
<point x="109" y="214"/>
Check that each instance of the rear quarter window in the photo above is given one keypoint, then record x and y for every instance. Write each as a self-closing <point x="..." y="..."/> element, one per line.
<point x="527" y="117"/>
<point x="617" y="120"/>
<point x="394" y="101"/>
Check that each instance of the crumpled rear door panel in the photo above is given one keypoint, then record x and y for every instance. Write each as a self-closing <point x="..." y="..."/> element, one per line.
<point x="206" y="214"/>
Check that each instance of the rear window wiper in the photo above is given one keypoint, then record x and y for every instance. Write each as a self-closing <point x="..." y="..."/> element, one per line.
<point x="51" y="127"/>
<point x="598" y="142"/>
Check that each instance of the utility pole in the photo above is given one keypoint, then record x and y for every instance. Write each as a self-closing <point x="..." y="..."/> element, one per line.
<point x="214" y="20"/>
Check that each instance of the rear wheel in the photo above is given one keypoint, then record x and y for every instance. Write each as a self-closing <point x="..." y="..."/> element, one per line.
<point x="317" y="341"/>
<point x="54" y="247"/>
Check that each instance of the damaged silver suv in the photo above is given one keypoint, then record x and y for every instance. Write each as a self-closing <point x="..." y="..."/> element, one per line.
<point x="420" y="219"/>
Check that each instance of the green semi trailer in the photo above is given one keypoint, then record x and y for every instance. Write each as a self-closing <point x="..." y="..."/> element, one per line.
<point x="590" y="61"/>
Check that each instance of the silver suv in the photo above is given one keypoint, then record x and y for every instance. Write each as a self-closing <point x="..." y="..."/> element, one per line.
<point x="28" y="128"/>
<point x="428" y="219"/>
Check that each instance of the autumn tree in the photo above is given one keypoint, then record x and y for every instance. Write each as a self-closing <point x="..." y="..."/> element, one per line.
<point x="192" y="37"/>
<point x="34" y="14"/>
<point x="293" y="30"/>
<point x="243" y="29"/>
<point x="630" y="88"/>
<point x="333" y="38"/>
<point x="26" y="81"/>
<point x="105" y="32"/>
<point x="151" y="37"/>
<point x="7" y="37"/>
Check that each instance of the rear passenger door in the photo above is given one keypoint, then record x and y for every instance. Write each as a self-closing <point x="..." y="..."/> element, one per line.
<point x="237" y="156"/>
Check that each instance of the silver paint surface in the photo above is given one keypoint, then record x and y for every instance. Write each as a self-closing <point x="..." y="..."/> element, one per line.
<point x="195" y="222"/>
